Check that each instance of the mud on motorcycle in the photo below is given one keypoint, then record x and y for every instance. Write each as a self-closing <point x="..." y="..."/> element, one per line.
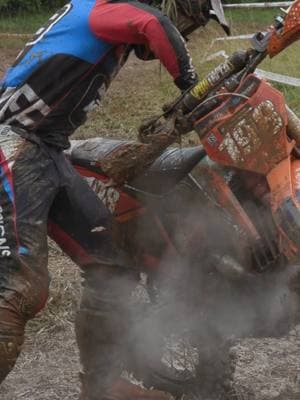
<point x="216" y="227"/>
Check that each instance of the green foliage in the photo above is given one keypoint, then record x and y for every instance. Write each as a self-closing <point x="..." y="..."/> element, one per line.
<point x="23" y="23"/>
<point x="11" y="7"/>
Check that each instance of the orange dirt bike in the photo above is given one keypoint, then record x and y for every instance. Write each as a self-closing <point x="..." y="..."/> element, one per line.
<point x="215" y="227"/>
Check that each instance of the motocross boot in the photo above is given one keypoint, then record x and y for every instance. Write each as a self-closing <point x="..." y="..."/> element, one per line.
<point x="124" y="390"/>
<point x="101" y="327"/>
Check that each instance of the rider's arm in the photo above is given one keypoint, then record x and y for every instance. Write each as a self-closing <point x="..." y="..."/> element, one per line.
<point x="136" y="23"/>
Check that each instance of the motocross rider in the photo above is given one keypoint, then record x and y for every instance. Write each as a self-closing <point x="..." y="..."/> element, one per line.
<point x="44" y="96"/>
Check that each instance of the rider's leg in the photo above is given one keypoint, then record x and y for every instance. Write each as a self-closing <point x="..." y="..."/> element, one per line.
<point x="101" y="327"/>
<point x="103" y="318"/>
<point x="26" y="192"/>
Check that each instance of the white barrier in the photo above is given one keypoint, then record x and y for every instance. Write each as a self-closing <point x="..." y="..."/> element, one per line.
<point x="259" y="5"/>
<point x="221" y="53"/>
<point x="238" y="37"/>
<point x="271" y="76"/>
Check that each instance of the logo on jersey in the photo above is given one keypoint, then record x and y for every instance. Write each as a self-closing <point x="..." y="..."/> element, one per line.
<point x="35" y="110"/>
<point x="43" y="30"/>
<point x="4" y="248"/>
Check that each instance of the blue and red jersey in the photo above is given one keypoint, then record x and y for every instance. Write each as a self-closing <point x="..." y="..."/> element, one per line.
<point x="68" y="65"/>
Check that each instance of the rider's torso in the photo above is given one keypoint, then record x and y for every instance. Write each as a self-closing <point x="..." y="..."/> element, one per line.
<point x="59" y="76"/>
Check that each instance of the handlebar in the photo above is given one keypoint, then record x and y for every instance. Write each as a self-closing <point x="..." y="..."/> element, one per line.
<point x="205" y="95"/>
<point x="284" y="31"/>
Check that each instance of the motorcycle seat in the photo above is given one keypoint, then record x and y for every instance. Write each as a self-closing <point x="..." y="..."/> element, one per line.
<point x="167" y="170"/>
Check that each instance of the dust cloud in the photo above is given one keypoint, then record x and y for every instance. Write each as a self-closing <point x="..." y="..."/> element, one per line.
<point x="189" y="313"/>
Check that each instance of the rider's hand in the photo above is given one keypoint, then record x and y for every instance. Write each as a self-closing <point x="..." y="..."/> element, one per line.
<point x="183" y="124"/>
<point x="176" y="124"/>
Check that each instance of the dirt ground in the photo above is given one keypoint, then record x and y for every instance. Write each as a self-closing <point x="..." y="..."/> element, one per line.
<point x="48" y="366"/>
<point x="267" y="369"/>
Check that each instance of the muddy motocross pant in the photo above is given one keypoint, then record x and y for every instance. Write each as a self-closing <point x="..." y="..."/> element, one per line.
<point x="38" y="183"/>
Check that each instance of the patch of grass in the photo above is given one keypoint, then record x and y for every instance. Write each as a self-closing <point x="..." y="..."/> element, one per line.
<point x="7" y="42"/>
<point x="291" y="94"/>
<point x="250" y="19"/>
<point x="23" y="23"/>
<point x="286" y="63"/>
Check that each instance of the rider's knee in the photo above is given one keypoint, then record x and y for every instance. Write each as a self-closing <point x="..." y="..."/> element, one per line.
<point x="25" y="294"/>
<point x="34" y="297"/>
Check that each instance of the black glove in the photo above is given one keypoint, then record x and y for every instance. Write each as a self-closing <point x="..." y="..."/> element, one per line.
<point x="183" y="123"/>
<point x="176" y="124"/>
